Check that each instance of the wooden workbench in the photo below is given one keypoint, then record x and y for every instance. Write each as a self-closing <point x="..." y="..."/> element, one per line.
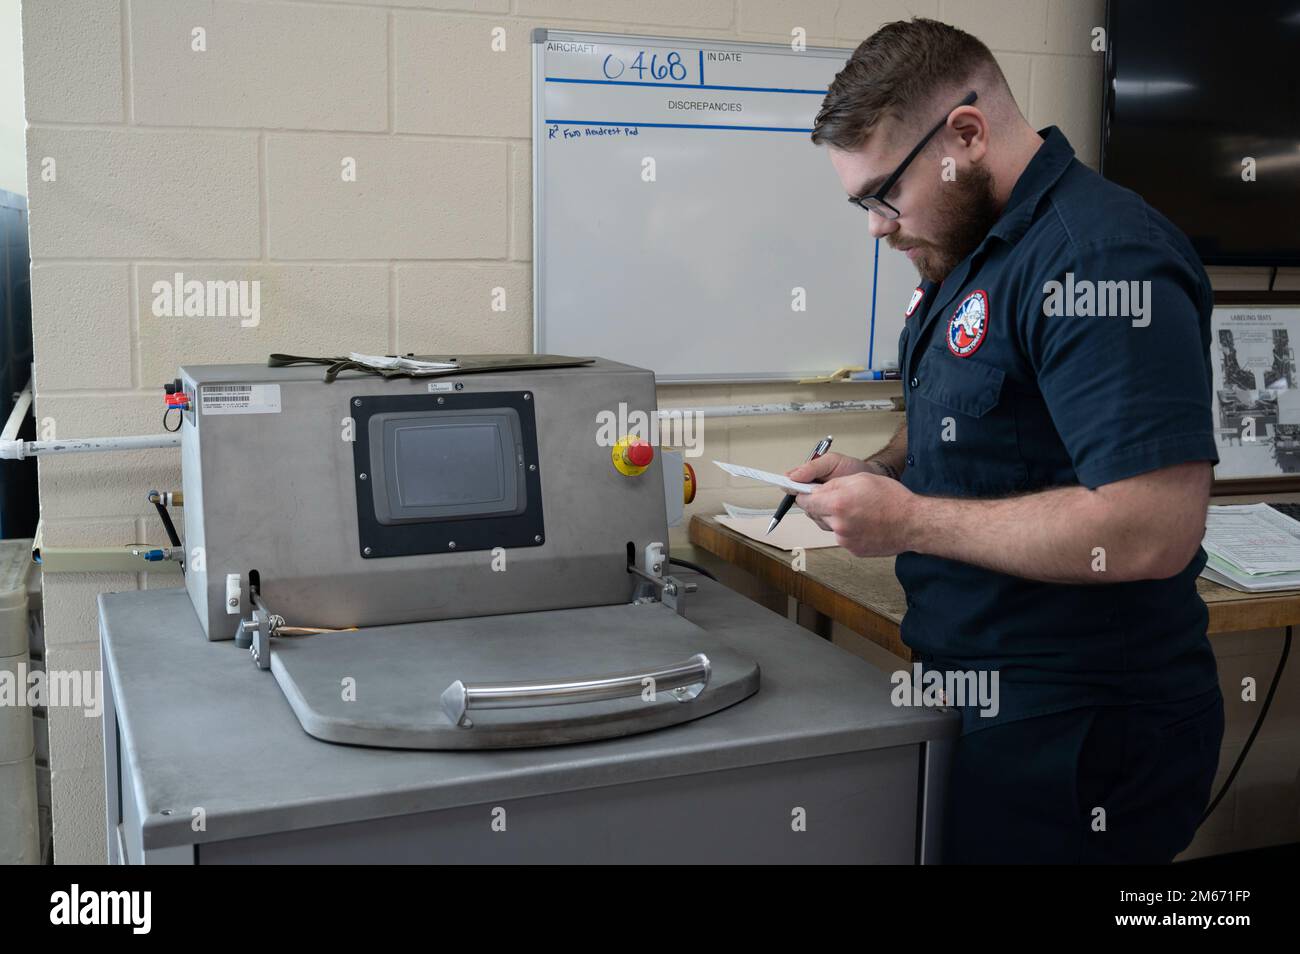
<point x="863" y="594"/>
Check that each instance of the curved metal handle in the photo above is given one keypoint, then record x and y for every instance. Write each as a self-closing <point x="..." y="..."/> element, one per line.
<point x="683" y="681"/>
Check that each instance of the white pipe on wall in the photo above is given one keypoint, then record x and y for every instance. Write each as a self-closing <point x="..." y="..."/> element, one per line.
<point x="18" y="414"/>
<point x="786" y="407"/>
<point x="20" y="450"/>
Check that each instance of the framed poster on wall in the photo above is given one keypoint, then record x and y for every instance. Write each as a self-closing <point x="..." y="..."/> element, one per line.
<point x="1256" y="395"/>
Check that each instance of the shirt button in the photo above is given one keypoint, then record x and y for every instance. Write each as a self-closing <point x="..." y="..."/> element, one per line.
<point x="914" y="382"/>
<point x="911" y="459"/>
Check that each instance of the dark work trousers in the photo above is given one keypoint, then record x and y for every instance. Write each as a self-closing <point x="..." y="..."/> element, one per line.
<point x="1103" y="785"/>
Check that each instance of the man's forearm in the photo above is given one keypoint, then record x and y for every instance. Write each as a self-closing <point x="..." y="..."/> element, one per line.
<point x="892" y="458"/>
<point x="1065" y="535"/>
<point x="1045" y="536"/>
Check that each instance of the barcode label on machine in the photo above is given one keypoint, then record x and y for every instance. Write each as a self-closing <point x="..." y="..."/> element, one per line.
<point x="240" y="398"/>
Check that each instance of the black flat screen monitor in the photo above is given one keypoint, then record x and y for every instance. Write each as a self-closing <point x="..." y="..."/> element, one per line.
<point x="1195" y="89"/>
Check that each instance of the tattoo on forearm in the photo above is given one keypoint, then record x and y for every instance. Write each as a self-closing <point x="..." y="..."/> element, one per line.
<point x="887" y="468"/>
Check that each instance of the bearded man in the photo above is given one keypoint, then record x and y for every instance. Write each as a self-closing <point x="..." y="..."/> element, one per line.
<point x="1047" y="493"/>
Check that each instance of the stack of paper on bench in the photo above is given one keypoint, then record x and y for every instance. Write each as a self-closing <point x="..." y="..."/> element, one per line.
<point x="1252" y="547"/>
<point x="796" y="529"/>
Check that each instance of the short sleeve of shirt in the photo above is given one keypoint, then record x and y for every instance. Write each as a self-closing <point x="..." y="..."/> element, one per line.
<point x="1120" y="348"/>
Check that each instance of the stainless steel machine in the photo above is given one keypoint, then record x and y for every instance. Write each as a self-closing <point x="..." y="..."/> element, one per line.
<point x="463" y="582"/>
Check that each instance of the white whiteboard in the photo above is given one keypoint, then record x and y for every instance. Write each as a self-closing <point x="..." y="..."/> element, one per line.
<point x="696" y="273"/>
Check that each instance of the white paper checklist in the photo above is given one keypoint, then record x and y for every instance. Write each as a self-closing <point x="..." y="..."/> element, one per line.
<point x="776" y="480"/>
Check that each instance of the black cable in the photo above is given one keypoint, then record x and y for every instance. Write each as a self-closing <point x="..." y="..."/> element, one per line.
<point x="693" y="566"/>
<point x="156" y="499"/>
<point x="180" y="417"/>
<point x="1272" y="278"/>
<point x="1259" y="723"/>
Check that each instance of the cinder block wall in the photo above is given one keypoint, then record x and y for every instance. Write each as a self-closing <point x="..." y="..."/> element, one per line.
<point x="146" y="156"/>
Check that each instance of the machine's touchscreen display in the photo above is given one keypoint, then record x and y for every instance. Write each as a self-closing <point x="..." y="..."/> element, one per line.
<point x="449" y="464"/>
<point x="440" y="465"/>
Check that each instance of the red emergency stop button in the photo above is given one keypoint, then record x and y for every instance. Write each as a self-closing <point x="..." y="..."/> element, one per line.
<point x="639" y="454"/>
<point x="631" y="455"/>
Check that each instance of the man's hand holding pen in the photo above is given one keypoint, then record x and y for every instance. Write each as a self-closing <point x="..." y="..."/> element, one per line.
<point x="869" y="513"/>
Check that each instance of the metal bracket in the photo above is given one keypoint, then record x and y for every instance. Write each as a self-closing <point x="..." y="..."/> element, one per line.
<point x="255" y="633"/>
<point x="673" y="593"/>
<point x="670" y="589"/>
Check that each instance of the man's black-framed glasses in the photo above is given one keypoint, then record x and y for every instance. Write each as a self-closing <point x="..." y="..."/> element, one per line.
<point x="876" y="201"/>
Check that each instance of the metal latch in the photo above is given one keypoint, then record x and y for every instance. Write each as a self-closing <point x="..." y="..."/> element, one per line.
<point x="255" y="633"/>
<point x="672" y="591"/>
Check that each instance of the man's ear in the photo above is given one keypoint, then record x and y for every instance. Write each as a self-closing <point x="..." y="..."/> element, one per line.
<point x="972" y="130"/>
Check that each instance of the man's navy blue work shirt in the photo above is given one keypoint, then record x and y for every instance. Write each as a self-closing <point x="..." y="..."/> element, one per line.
<point x="1012" y="387"/>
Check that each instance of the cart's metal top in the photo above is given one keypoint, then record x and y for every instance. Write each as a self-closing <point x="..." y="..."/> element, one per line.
<point x="205" y="729"/>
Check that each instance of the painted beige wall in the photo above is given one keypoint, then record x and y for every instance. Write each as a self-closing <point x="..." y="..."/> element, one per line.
<point x="225" y="164"/>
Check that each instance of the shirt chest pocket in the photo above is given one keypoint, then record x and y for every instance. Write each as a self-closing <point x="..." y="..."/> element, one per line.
<point x="962" y="429"/>
<point x="961" y="384"/>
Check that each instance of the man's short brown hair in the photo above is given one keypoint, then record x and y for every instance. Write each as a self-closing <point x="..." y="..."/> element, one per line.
<point x="897" y="71"/>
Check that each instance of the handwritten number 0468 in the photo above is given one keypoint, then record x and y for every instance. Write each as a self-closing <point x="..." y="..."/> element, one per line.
<point x="672" y="66"/>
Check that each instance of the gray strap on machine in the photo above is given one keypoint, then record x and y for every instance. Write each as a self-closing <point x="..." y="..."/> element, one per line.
<point x="470" y="364"/>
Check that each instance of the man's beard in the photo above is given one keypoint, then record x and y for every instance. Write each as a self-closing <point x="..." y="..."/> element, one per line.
<point x="967" y="210"/>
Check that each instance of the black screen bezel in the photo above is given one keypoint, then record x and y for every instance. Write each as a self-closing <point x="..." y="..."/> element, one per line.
<point x="468" y="534"/>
